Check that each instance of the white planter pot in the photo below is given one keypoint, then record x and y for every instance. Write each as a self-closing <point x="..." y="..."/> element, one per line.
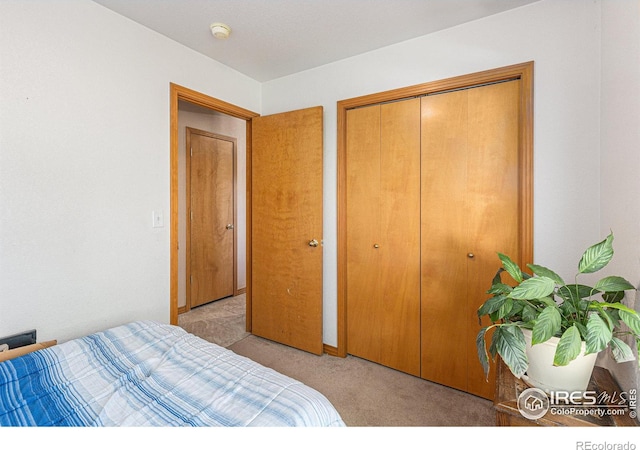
<point x="544" y="375"/>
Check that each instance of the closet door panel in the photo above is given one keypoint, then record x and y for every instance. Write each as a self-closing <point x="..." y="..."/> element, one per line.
<point x="470" y="212"/>
<point x="400" y="235"/>
<point x="363" y="230"/>
<point x="383" y="234"/>
<point x="444" y="226"/>
<point x="492" y="201"/>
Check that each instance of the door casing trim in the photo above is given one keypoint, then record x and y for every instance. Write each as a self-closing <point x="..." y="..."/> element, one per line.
<point x="176" y="94"/>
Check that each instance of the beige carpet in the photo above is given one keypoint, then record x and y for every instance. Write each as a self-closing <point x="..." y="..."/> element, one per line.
<point x="222" y="322"/>
<point x="366" y="394"/>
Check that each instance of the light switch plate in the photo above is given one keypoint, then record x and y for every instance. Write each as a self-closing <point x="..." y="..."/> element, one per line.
<point x="158" y="219"/>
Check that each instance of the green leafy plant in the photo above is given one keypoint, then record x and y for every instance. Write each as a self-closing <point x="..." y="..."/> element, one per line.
<point x="549" y="307"/>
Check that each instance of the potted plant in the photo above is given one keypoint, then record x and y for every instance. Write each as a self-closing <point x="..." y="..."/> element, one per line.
<point x="565" y="321"/>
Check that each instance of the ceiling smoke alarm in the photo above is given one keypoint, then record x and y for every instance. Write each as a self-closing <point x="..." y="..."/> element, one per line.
<point x="220" y="30"/>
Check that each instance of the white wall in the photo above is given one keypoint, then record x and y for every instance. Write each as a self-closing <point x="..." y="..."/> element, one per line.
<point x="84" y="160"/>
<point x="620" y="147"/>
<point x="563" y="38"/>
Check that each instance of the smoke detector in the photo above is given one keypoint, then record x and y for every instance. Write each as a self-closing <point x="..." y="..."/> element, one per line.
<point x="220" y="30"/>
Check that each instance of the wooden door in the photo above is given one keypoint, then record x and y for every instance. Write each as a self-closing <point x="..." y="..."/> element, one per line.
<point x="470" y="211"/>
<point x="363" y="231"/>
<point x="285" y="272"/>
<point x="211" y="194"/>
<point x="383" y="234"/>
<point x="444" y="239"/>
<point x="493" y="205"/>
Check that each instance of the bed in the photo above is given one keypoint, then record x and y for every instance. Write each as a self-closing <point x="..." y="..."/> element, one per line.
<point x="151" y="374"/>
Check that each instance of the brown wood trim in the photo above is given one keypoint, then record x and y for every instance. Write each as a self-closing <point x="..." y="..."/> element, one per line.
<point x="526" y="164"/>
<point x="173" y="200"/>
<point x="524" y="72"/>
<point x="19" y="351"/>
<point x="432" y="87"/>
<point x="342" y="231"/>
<point x="249" y="195"/>
<point x="212" y="103"/>
<point x="330" y="350"/>
<point x="240" y="291"/>
<point x="178" y="93"/>
<point x="187" y="151"/>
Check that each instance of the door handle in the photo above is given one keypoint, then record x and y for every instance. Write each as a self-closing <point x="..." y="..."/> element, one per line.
<point x="230" y="226"/>
<point x="313" y="243"/>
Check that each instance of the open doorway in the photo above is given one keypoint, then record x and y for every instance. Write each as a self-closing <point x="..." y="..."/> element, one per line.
<point x="284" y="219"/>
<point x="211" y="222"/>
<point x="192" y="109"/>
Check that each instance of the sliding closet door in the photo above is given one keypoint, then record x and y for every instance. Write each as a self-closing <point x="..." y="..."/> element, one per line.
<point x="470" y="212"/>
<point x="383" y="234"/>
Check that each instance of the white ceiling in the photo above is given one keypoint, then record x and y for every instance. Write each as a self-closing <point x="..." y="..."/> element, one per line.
<point x="275" y="38"/>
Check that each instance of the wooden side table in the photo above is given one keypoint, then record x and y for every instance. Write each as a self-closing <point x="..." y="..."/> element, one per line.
<point x="19" y="351"/>
<point x="509" y="388"/>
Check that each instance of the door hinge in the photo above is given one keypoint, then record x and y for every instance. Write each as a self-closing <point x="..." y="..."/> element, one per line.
<point x="191" y="151"/>
<point x="191" y="279"/>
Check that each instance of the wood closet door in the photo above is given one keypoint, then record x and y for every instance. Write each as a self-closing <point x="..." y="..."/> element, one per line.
<point x="383" y="234"/>
<point x="286" y="228"/>
<point x="469" y="213"/>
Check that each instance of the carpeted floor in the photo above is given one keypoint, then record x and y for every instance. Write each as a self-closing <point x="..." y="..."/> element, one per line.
<point x="222" y="322"/>
<point x="366" y="394"/>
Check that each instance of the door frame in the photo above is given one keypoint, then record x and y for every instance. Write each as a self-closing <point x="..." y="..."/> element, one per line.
<point x="191" y="131"/>
<point x="177" y="93"/>
<point x="523" y="72"/>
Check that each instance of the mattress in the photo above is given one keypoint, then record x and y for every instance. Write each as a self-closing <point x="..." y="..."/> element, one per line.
<point x="150" y="374"/>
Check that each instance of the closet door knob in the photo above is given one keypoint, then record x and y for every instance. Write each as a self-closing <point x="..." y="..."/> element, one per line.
<point x="376" y="245"/>
<point x="470" y="255"/>
<point x="313" y="243"/>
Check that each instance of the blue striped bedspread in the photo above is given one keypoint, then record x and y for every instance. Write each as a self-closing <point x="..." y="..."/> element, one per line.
<point x="151" y="374"/>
